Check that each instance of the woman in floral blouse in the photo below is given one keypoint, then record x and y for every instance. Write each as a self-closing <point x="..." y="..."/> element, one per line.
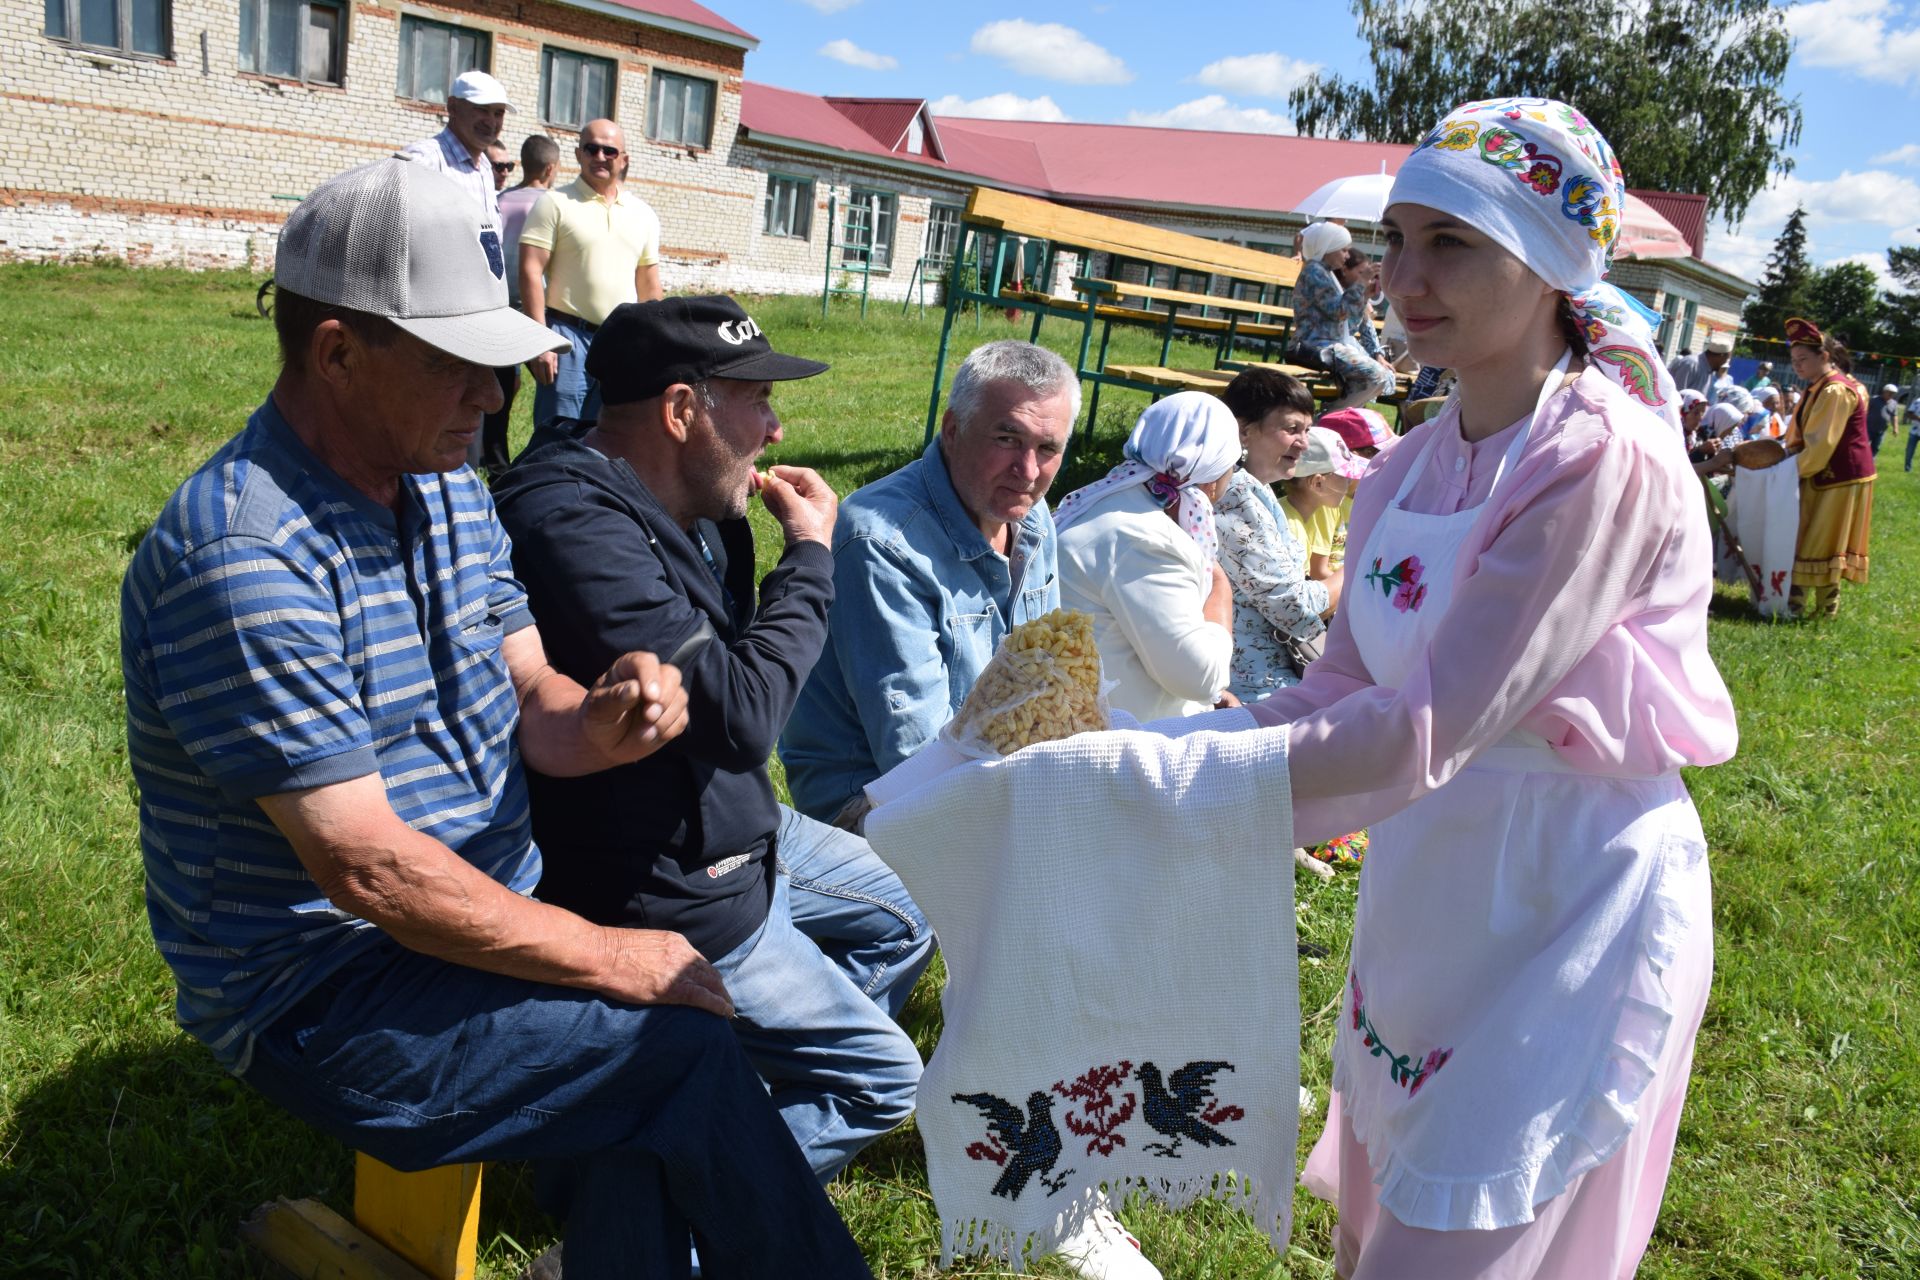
<point x="1273" y="599"/>
<point x="1326" y="330"/>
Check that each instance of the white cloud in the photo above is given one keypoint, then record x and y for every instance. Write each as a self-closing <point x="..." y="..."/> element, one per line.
<point x="999" y="106"/>
<point x="1214" y="112"/>
<point x="1259" y="75"/>
<point x="1861" y="36"/>
<point x="1049" y="51"/>
<point x="829" y="6"/>
<point x="854" y="56"/>
<point x="1876" y="262"/>
<point x="1909" y="154"/>
<point x="1873" y="196"/>
<point x="1849" y="218"/>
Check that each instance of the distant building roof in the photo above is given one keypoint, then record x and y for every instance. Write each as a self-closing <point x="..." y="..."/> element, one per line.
<point x="675" y="15"/>
<point x="1686" y="211"/>
<point x="890" y="121"/>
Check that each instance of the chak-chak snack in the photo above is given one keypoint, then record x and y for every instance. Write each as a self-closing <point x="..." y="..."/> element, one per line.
<point x="1042" y="684"/>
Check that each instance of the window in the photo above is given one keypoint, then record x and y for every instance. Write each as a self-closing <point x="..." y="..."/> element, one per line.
<point x="574" y="88"/>
<point x="789" y="206"/>
<point x="867" y="234"/>
<point x="681" y="110"/>
<point x="943" y="233"/>
<point x="118" y="26"/>
<point x="433" y="54"/>
<point x="293" y="39"/>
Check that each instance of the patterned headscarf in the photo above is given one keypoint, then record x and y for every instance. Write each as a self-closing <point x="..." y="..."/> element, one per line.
<point x="1534" y="175"/>
<point x="1188" y="439"/>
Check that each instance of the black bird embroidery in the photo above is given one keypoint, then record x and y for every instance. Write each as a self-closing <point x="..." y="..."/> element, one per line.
<point x="1032" y="1139"/>
<point x="1177" y="1107"/>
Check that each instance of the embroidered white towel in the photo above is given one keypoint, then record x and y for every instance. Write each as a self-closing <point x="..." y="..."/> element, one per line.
<point x="1122" y="999"/>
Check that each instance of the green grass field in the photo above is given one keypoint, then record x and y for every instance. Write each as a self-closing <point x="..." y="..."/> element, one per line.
<point x="125" y="1152"/>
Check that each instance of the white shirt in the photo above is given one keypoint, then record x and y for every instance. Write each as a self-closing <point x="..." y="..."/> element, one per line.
<point x="446" y="154"/>
<point x="1143" y="581"/>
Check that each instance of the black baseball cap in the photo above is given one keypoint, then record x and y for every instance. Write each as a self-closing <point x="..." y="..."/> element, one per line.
<point x="646" y="347"/>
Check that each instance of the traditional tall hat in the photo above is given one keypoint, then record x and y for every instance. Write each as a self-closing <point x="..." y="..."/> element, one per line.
<point x="1805" y="333"/>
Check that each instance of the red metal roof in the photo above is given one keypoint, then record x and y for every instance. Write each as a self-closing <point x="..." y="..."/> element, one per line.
<point x="1687" y="213"/>
<point x="687" y="11"/>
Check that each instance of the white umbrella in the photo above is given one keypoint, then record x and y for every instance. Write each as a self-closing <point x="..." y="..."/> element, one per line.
<point x="1362" y="196"/>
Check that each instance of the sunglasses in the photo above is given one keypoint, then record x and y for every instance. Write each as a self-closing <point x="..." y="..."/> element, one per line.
<point x="599" y="149"/>
<point x="506" y="167"/>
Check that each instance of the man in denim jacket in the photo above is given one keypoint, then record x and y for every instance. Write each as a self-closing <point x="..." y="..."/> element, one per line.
<point x="932" y="566"/>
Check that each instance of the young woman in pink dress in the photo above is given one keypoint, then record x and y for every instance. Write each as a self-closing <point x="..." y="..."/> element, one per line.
<point x="1515" y="678"/>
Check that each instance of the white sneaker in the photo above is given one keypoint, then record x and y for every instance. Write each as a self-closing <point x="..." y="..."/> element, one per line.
<point x="1102" y="1249"/>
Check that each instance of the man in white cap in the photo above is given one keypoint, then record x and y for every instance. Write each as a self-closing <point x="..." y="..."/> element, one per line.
<point x="476" y="112"/>
<point x="1880" y="415"/>
<point x="1706" y="372"/>
<point x="332" y="679"/>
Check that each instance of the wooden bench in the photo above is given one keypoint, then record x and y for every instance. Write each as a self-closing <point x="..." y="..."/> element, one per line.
<point x="407" y="1226"/>
<point x="1011" y="220"/>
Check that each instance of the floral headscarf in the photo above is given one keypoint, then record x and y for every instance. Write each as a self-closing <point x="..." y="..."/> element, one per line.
<point x="1534" y="175"/>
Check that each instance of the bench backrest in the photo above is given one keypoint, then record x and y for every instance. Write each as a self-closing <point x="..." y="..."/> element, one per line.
<point x="1078" y="229"/>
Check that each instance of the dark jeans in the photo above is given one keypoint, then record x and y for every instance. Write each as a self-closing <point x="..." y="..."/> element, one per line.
<point x="650" y="1123"/>
<point x="1912" y="440"/>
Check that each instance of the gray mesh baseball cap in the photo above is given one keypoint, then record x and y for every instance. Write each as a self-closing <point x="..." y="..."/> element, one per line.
<point x="398" y="240"/>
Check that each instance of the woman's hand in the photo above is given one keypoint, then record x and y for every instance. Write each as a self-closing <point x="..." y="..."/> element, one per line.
<point x="1225" y="700"/>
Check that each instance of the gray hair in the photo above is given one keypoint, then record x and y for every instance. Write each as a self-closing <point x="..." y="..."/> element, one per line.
<point x="1009" y="360"/>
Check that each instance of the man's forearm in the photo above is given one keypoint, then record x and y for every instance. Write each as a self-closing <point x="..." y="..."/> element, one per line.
<point x="533" y="292"/>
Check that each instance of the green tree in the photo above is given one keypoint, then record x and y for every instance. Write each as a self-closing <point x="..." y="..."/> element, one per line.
<point x="1687" y="91"/>
<point x="1845" y="301"/>
<point x="1903" y="304"/>
<point x="1783" y="287"/>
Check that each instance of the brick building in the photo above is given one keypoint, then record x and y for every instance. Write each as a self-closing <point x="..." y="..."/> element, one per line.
<point x="182" y="131"/>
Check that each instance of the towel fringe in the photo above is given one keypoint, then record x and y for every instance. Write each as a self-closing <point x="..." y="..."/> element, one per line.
<point x="974" y="1237"/>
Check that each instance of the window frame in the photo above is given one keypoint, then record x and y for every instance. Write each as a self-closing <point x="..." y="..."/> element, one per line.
<point x="407" y="56"/>
<point x="123" y="30"/>
<point x="548" y="53"/>
<point x="658" y="81"/>
<point x="852" y="254"/>
<point x="804" y="195"/>
<point x="942" y="228"/>
<point x="303" y="23"/>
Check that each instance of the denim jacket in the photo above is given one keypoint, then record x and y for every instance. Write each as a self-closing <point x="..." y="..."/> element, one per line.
<point x="920" y="603"/>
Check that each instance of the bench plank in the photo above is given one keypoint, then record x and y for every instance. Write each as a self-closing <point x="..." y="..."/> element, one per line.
<point x="1077" y="228"/>
<point x="313" y="1242"/>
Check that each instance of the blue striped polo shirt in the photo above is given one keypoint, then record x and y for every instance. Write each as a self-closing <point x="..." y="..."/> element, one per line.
<point x="280" y="630"/>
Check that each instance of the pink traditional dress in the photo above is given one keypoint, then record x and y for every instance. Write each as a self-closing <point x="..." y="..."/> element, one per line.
<point x="1518" y="672"/>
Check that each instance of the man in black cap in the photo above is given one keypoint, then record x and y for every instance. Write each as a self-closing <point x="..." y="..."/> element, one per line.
<point x="634" y="535"/>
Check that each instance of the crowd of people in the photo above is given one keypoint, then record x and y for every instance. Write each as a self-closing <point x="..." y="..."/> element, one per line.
<point x="457" y="811"/>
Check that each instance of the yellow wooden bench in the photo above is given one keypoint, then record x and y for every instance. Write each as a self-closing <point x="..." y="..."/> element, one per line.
<point x="995" y="222"/>
<point x="407" y="1226"/>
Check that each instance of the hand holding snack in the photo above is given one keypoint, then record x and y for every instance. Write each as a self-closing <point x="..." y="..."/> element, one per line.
<point x="801" y="501"/>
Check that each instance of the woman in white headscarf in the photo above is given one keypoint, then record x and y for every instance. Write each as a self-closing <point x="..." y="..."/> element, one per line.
<point x="1139" y="553"/>
<point x="1515" y="678"/>
<point x="1331" y="328"/>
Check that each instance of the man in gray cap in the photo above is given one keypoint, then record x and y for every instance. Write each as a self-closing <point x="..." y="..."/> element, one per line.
<point x="1707" y="372"/>
<point x="332" y="679"/>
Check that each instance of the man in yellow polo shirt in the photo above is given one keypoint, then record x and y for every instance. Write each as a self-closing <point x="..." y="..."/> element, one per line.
<point x="586" y="248"/>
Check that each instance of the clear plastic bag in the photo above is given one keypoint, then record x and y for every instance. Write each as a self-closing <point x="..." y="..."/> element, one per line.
<point x="1043" y="683"/>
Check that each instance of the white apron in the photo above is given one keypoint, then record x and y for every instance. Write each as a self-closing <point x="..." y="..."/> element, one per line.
<point x="1505" y="1007"/>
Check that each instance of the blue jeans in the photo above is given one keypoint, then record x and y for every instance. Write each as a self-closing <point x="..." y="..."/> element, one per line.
<point x="1912" y="440"/>
<point x="572" y="394"/>
<point x="649" y="1123"/>
<point x="817" y="988"/>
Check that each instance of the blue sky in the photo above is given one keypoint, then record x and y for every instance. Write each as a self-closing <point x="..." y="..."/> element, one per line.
<point x="1205" y="64"/>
